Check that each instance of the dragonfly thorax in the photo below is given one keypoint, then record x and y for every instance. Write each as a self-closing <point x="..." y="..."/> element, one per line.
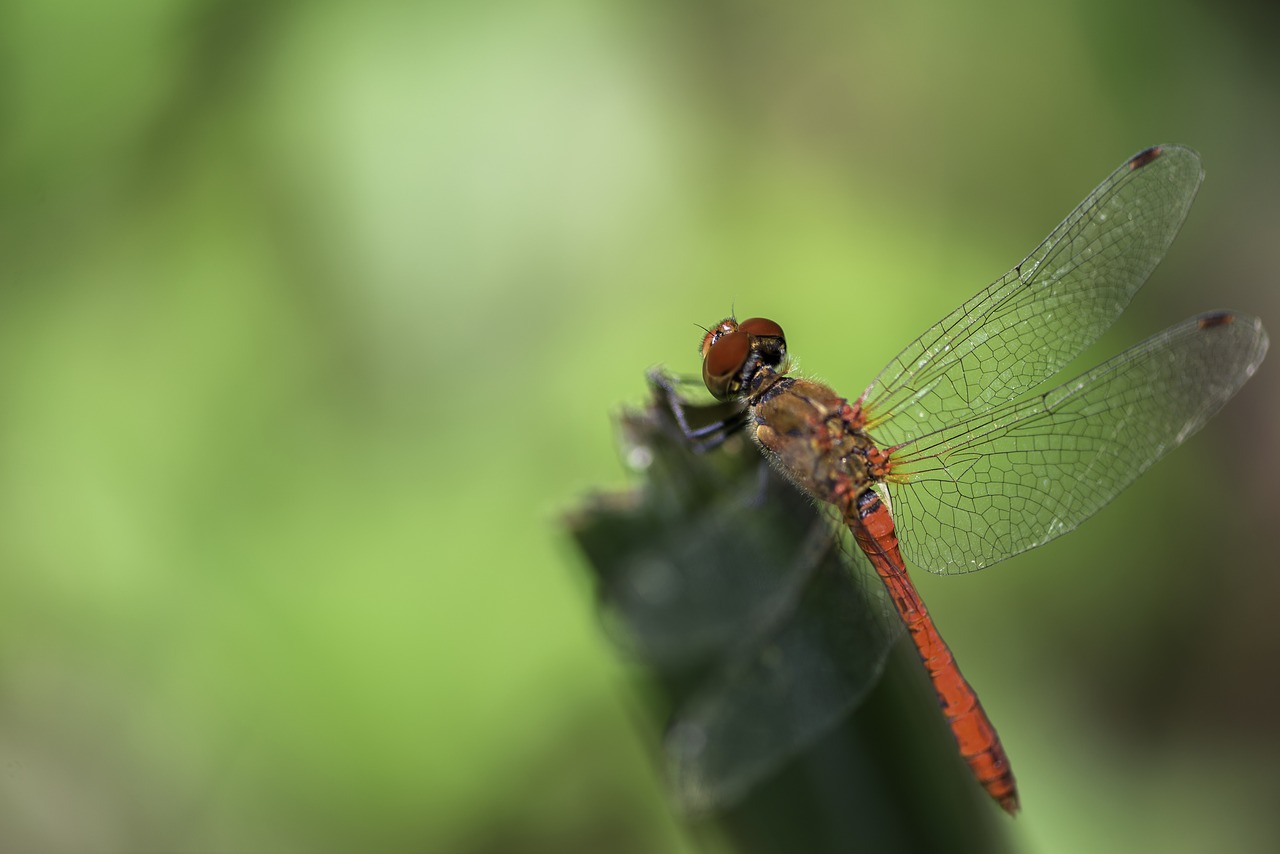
<point x="816" y="438"/>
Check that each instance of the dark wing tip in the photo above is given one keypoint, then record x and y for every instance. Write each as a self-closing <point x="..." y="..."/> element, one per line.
<point x="1145" y="157"/>
<point x="1216" y="318"/>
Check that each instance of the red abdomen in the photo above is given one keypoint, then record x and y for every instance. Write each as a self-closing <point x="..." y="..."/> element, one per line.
<point x="975" y="735"/>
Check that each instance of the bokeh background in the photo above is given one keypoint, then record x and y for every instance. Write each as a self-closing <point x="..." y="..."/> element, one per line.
<point x="313" y="318"/>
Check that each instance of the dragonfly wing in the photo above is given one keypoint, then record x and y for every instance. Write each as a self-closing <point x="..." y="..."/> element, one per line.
<point x="1024" y="473"/>
<point x="702" y="551"/>
<point x="740" y="593"/>
<point x="785" y="688"/>
<point x="1040" y="315"/>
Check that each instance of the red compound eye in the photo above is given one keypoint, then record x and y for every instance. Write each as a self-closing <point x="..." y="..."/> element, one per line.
<point x="723" y="361"/>
<point x="715" y="333"/>
<point x="762" y="327"/>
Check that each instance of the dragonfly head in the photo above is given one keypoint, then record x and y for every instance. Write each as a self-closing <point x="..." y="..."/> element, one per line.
<point x="733" y="353"/>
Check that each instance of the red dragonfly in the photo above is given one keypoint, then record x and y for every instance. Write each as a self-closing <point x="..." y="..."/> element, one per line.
<point x="953" y="459"/>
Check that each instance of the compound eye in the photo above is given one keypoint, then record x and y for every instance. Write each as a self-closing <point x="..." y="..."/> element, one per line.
<point x="762" y="327"/>
<point x="715" y="333"/>
<point x="722" y="363"/>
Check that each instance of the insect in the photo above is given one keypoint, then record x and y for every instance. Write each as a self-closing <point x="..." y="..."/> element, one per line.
<point x="955" y="457"/>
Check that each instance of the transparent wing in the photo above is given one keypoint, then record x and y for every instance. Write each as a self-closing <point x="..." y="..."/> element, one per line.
<point x="785" y="688"/>
<point x="1040" y="315"/>
<point x="703" y="551"/>
<point x="741" y="593"/>
<point x="1021" y="474"/>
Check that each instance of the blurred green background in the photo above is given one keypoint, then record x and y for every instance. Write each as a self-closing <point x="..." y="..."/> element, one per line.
<point x="314" y="318"/>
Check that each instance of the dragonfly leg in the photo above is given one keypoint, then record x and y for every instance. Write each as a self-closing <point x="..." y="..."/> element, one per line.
<point x="704" y="426"/>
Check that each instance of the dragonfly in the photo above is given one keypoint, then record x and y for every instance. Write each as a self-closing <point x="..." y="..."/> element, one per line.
<point x="960" y="453"/>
